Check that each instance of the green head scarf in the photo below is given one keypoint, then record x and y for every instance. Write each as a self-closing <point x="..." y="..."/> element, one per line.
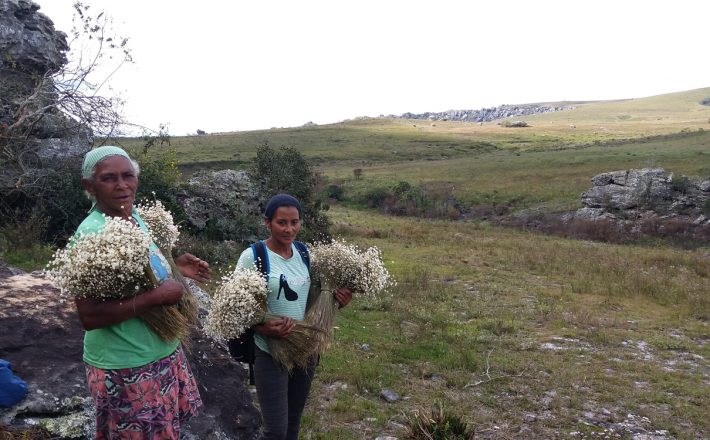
<point x="97" y="155"/>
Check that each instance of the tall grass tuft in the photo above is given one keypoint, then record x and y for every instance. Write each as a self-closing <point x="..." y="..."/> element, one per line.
<point x="436" y="424"/>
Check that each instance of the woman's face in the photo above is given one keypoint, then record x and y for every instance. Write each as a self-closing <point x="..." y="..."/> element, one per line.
<point x="114" y="186"/>
<point x="284" y="225"/>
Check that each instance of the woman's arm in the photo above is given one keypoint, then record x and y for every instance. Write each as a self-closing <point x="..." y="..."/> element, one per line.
<point x="95" y="313"/>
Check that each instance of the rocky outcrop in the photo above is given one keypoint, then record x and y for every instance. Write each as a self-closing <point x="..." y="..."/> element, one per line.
<point x="225" y="200"/>
<point x="42" y="339"/>
<point x="31" y="51"/>
<point x="630" y="194"/>
<point x="30" y="47"/>
<point x="484" y="114"/>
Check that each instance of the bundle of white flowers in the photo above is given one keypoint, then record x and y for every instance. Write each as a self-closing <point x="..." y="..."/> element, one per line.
<point x="340" y="264"/>
<point x="160" y="222"/>
<point x="174" y="321"/>
<point x="239" y="302"/>
<point x="110" y="264"/>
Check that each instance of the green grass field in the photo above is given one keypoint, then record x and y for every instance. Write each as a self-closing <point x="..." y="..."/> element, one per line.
<point x="522" y="335"/>
<point x="545" y="166"/>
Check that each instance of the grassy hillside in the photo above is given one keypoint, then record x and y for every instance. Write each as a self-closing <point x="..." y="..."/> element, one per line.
<point x="546" y="165"/>
<point x="384" y="141"/>
<point x="551" y="179"/>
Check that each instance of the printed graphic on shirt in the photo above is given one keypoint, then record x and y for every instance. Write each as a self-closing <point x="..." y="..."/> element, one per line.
<point x="160" y="266"/>
<point x="289" y="293"/>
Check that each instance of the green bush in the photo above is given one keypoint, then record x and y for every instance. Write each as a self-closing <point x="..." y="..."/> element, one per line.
<point x="287" y="171"/>
<point x="57" y="199"/>
<point x="681" y="184"/>
<point x="335" y="192"/>
<point x="514" y="124"/>
<point x="401" y="187"/>
<point x="221" y="254"/>
<point x="21" y="245"/>
<point x="375" y="197"/>
<point x="159" y="178"/>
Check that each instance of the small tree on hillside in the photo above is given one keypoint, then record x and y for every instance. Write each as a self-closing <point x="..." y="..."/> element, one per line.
<point x="287" y="171"/>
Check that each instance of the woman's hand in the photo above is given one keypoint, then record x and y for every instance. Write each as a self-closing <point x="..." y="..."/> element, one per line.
<point x="169" y="292"/>
<point x="343" y="296"/>
<point x="276" y="328"/>
<point x="192" y="267"/>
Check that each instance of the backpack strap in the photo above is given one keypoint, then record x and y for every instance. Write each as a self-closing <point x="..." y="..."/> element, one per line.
<point x="261" y="258"/>
<point x="305" y="254"/>
<point x="261" y="261"/>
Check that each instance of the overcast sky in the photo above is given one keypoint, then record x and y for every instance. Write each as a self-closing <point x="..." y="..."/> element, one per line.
<point x="244" y="65"/>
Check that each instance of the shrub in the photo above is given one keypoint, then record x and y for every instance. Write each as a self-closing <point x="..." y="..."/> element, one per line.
<point x="681" y="184"/>
<point x="287" y="171"/>
<point x="374" y="197"/>
<point x="60" y="202"/>
<point x="401" y="187"/>
<point x="335" y="192"/>
<point x="222" y="255"/>
<point x="514" y="124"/>
<point x="437" y="424"/>
<point x="160" y="178"/>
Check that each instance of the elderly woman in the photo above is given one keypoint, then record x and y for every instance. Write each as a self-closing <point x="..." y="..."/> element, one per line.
<point x="142" y="386"/>
<point x="282" y="395"/>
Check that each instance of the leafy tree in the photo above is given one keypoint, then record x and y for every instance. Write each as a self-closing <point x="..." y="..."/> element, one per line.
<point x="287" y="171"/>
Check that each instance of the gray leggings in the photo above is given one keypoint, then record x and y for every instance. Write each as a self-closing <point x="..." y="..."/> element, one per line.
<point x="282" y="396"/>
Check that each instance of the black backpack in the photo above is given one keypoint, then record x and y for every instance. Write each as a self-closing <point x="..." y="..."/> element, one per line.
<point x="242" y="347"/>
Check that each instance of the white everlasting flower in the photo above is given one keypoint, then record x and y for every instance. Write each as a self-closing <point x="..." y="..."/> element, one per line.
<point x="345" y="265"/>
<point x="339" y="264"/>
<point x="159" y="221"/>
<point x="238" y="303"/>
<point x="108" y="264"/>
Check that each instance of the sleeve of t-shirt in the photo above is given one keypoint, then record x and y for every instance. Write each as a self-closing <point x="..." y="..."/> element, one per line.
<point x="246" y="259"/>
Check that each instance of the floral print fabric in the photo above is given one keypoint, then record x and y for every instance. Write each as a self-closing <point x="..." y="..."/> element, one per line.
<point x="148" y="402"/>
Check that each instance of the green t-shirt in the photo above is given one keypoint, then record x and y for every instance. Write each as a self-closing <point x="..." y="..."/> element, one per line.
<point x="130" y="343"/>
<point x="289" y="283"/>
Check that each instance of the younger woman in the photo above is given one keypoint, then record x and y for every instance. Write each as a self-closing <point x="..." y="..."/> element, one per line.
<point x="282" y="396"/>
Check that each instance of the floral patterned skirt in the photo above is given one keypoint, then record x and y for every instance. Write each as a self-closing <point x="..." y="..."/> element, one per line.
<point x="148" y="402"/>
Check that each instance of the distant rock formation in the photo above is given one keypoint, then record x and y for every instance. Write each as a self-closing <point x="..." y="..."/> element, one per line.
<point x="484" y="114"/>
<point x="630" y="194"/>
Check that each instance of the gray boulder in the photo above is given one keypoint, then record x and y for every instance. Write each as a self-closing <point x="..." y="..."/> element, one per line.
<point x="225" y="199"/>
<point x="633" y="193"/>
